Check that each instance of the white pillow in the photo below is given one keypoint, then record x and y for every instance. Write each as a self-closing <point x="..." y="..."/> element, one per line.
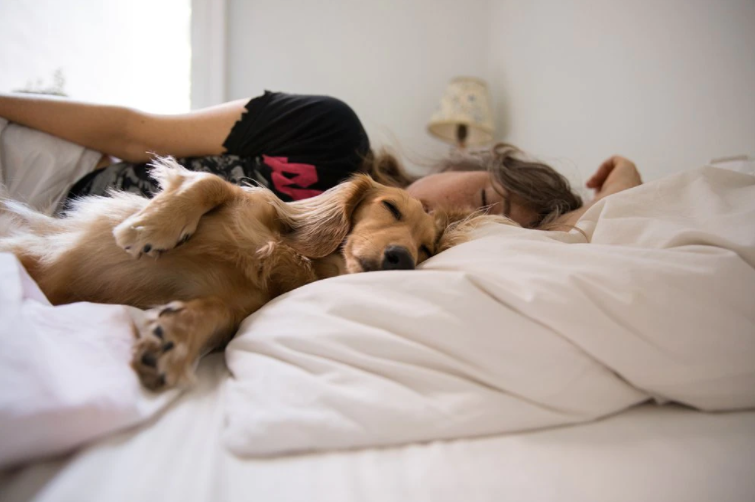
<point x="37" y="168"/>
<point x="65" y="377"/>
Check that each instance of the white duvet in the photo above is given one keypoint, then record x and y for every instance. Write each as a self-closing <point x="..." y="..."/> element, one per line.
<point x="515" y="330"/>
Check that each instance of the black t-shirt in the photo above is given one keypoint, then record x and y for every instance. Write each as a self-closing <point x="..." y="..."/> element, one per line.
<point x="297" y="146"/>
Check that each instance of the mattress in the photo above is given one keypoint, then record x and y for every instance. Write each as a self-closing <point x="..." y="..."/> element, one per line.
<point x="647" y="453"/>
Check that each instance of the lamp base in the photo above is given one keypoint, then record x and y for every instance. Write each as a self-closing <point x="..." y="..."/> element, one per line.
<point x="462" y="131"/>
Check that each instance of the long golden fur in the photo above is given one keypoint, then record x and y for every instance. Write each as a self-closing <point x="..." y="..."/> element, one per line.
<point x="204" y="254"/>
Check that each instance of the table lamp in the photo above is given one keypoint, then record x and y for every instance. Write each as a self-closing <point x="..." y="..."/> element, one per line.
<point x="464" y="117"/>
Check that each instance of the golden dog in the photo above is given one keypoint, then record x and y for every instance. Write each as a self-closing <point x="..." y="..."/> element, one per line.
<point x="204" y="254"/>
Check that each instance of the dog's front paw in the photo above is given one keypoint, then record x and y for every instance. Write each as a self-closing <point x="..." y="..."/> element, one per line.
<point x="140" y="235"/>
<point x="163" y="355"/>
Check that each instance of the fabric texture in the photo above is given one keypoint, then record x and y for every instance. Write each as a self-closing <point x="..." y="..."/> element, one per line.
<point x="298" y="146"/>
<point x="515" y="330"/>
<point x="65" y="377"/>
<point x="649" y="453"/>
<point x="38" y="169"/>
<point x="135" y="178"/>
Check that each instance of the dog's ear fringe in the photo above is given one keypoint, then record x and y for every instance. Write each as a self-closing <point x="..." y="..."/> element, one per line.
<point x="456" y="226"/>
<point x="315" y="227"/>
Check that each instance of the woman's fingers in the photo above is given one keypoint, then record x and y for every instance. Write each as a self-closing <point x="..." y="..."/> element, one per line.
<point x="614" y="175"/>
<point x="596" y="180"/>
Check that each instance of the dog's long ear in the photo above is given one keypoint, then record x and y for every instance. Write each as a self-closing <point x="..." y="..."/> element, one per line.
<point x="316" y="227"/>
<point x="455" y="226"/>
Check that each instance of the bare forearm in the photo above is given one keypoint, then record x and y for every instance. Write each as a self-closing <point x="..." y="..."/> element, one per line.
<point x="567" y="221"/>
<point x="99" y="127"/>
<point x="123" y="132"/>
<point x="615" y="175"/>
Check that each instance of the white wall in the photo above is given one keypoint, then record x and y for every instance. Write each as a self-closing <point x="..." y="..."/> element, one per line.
<point x="667" y="83"/>
<point x="389" y="59"/>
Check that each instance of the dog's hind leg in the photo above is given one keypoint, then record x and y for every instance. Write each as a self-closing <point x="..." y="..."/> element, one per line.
<point x="173" y="338"/>
<point x="174" y="214"/>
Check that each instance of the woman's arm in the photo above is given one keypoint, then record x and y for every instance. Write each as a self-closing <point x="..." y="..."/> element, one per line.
<point x="124" y="132"/>
<point x="614" y="175"/>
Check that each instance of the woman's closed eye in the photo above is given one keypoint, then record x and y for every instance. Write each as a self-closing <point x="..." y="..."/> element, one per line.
<point x="489" y="206"/>
<point x="498" y="204"/>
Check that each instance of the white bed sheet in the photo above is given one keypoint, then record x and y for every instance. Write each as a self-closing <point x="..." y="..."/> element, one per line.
<point x="648" y="453"/>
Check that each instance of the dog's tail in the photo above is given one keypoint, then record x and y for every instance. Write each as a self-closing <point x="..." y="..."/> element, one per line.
<point x="16" y="217"/>
<point x="8" y="223"/>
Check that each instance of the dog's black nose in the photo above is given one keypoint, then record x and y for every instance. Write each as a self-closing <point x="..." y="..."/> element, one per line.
<point x="397" y="258"/>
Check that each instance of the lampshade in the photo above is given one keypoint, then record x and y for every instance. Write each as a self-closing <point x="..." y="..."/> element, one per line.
<point x="466" y="102"/>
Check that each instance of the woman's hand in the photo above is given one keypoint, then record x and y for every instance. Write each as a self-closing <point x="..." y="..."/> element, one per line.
<point x="614" y="175"/>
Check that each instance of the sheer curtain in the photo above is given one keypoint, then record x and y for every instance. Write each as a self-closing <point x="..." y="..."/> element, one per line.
<point x="134" y="53"/>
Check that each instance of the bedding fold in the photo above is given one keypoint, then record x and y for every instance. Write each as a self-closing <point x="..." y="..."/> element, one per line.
<point x="514" y="330"/>
<point x="65" y="374"/>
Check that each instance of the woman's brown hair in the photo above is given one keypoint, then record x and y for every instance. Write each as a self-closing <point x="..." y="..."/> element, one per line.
<point x="534" y="185"/>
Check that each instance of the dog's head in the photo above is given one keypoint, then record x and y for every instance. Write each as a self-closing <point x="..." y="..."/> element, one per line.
<point x="389" y="231"/>
<point x="377" y="227"/>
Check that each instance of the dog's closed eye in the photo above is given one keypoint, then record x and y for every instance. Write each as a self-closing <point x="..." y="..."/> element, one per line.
<point x="393" y="209"/>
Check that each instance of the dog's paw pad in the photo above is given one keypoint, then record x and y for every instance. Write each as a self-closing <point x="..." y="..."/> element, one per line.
<point x="151" y="235"/>
<point x="162" y="355"/>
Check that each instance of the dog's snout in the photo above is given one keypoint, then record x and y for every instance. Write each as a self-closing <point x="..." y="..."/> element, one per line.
<point x="397" y="258"/>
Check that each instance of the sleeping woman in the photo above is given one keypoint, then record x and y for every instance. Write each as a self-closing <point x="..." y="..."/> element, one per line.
<point x="298" y="146"/>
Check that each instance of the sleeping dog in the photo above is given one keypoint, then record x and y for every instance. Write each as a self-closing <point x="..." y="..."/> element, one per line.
<point x="203" y="254"/>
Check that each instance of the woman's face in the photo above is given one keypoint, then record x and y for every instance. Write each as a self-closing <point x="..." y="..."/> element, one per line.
<point x="469" y="189"/>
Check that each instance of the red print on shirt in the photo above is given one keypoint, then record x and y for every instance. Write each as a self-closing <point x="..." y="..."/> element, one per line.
<point x="304" y="175"/>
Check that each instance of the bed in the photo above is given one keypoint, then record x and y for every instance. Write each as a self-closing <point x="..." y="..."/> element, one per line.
<point x="647" y="453"/>
<point x="520" y="365"/>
